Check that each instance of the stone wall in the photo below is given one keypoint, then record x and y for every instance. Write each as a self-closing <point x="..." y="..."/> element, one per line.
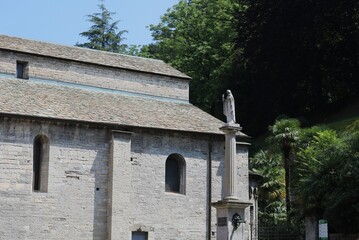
<point x="75" y="206"/>
<point x="243" y="188"/>
<point x="146" y="205"/>
<point x="104" y="183"/>
<point x="96" y="75"/>
<point x="217" y="182"/>
<point x="242" y="172"/>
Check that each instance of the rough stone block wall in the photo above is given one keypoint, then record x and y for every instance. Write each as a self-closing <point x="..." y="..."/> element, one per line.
<point x="242" y="172"/>
<point x="96" y="75"/>
<point x="243" y="188"/>
<point x="217" y="180"/>
<point x="75" y="206"/>
<point x="165" y="215"/>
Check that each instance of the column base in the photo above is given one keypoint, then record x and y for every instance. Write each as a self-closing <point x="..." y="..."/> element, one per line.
<point x="231" y="198"/>
<point x="227" y="209"/>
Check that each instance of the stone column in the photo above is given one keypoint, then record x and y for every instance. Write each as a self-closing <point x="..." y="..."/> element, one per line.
<point x="231" y="222"/>
<point x="231" y="185"/>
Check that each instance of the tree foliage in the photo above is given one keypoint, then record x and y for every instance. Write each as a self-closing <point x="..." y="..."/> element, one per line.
<point x="278" y="57"/>
<point x="104" y="34"/>
<point x="284" y="135"/>
<point x="324" y="180"/>
<point x="272" y="191"/>
<point x="197" y="38"/>
<point x="296" y="57"/>
<point x="327" y="183"/>
<point x="284" y="132"/>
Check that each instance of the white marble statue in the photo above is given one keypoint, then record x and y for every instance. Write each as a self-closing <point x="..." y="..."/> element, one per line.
<point x="228" y="107"/>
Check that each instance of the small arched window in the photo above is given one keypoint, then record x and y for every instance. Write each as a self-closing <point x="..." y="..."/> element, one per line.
<point x="175" y="174"/>
<point x="40" y="163"/>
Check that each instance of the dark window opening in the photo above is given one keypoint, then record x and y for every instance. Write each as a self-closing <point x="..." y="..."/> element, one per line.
<point x="172" y="176"/>
<point x="22" y="70"/>
<point x="175" y="174"/>
<point x="40" y="163"/>
<point x="37" y="163"/>
<point x="139" y="236"/>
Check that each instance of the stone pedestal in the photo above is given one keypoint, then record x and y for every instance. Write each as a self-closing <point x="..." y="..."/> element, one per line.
<point x="226" y="210"/>
<point x="230" y="206"/>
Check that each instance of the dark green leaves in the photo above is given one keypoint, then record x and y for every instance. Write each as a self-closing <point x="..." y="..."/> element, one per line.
<point x="197" y="38"/>
<point x="104" y="34"/>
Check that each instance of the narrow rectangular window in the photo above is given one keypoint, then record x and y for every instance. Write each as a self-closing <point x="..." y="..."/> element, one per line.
<point x="139" y="236"/>
<point x="22" y="70"/>
<point x="38" y="154"/>
<point x="40" y="163"/>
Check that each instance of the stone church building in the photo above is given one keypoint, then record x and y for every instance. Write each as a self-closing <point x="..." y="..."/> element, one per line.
<point x="96" y="145"/>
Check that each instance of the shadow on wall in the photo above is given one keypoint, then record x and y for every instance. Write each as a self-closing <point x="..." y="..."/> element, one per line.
<point x="220" y="173"/>
<point x="100" y="171"/>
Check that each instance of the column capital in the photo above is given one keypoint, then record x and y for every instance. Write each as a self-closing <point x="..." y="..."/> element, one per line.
<point x="228" y="127"/>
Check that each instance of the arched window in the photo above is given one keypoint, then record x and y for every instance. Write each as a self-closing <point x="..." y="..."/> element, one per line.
<point x="40" y="164"/>
<point x="175" y="174"/>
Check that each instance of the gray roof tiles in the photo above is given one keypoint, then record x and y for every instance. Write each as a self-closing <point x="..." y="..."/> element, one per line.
<point x="89" y="56"/>
<point x="24" y="97"/>
<point x="59" y="102"/>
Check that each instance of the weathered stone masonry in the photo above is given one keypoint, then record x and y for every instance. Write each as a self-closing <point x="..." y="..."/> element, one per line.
<point x="78" y="166"/>
<point x="107" y="149"/>
<point x="75" y="205"/>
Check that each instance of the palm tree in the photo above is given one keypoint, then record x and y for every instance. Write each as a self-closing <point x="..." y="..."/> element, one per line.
<point x="284" y="134"/>
<point x="328" y="180"/>
<point x="271" y="194"/>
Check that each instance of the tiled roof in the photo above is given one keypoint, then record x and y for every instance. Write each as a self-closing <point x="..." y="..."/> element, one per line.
<point x="89" y="56"/>
<point x="27" y="98"/>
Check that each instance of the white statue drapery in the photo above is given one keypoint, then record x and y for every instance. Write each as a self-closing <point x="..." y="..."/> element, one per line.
<point x="229" y="107"/>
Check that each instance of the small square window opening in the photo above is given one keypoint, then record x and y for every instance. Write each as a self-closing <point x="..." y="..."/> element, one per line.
<point x="139" y="236"/>
<point x="22" y="70"/>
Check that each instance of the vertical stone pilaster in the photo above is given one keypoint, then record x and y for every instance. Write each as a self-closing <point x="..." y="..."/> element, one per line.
<point x="119" y="185"/>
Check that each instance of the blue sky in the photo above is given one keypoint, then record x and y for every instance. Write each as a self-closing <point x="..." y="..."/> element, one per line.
<point x="61" y="21"/>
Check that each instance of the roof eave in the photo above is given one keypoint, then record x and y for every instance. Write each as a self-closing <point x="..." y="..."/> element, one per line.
<point x="180" y="77"/>
<point x="102" y="124"/>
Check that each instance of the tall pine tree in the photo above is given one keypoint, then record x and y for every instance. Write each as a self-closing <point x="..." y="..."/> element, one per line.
<point x="104" y="34"/>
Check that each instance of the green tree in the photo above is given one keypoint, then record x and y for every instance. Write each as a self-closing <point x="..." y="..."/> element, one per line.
<point x="103" y="34"/>
<point x="285" y="134"/>
<point x="272" y="188"/>
<point x="295" y="57"/>
<point x="277" y="57"/>
<point x="324" y="181"/>
<point x="197" y="38"/>
<point x="327" y="183"/>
